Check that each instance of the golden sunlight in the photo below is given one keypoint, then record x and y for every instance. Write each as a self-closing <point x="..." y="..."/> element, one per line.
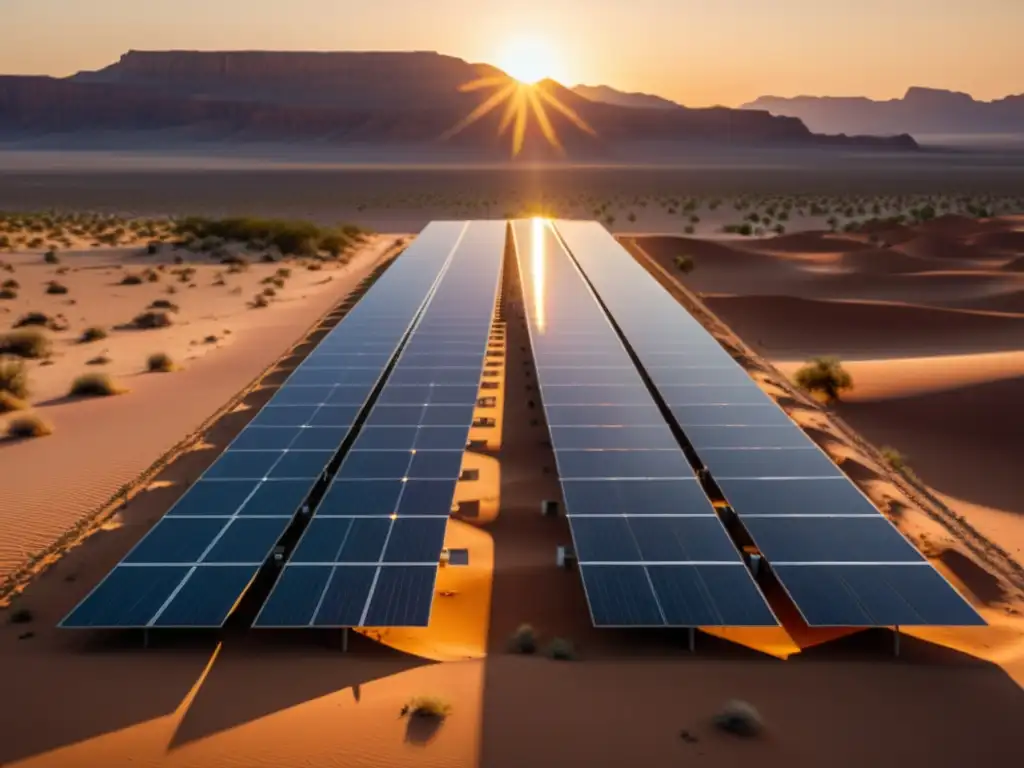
<point x="529" y="60"/>
<point x="537" y="268"/>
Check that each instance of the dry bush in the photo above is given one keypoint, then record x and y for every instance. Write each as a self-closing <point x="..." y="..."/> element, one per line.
<point x="561" y="649"/>
<point x="159" y="362"/>
<point x="56" y="289"/>
<point x="132" y="279"/>
<point x="27" y="426"/>
<point x="152" y="319"/>
<point x="33" y="319"/>
<point x="427" y="706"/>
<point x="50" y="257"/>
<point x="739" y="718"/>
<point x="29" y="344"/>
<point x="95" y="385"/>
<point x="98" y="360"/>
<point x="259" y="302"/>
<point x="684" y="264"/>
<point x="8" y="293"/>
<point x="14" y="379"/>
<point x="826" y="376"/>
<point x="92" y="333"/>
<point x="524" y="640"/>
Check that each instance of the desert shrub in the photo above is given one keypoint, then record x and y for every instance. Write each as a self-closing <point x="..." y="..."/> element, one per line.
<point x="22" y="616"/>
<point x="9" y="403"/>
<point x="98" y="360"/>
<point x="689" y="229"/>
<point x="11" y="284"/>
<point x="561" y="649"/>
<point x="259" y="301"/>
<point x="315" y="266"/>
<point x="13" y="378"/>
<point x="92" y="333"/>
<point x="296" y="238"/>
<point x="739" y="718"/>
<point x="8" y="293"/>
<point x="159" y="362"/>
<point x="334" y="244"/>
<point x="94" y="385"/>
<point x="684" y="264"/>
<point x="427" y="706"/>
<point x="524" y="639"/>
<point x="284" y="273"/>
<point x="30" y="344"/>
<point x="32" y="319"/>
<point x="825" y="375"/>
<point x="56" y="289"/>
<point x="132" y="279"/>
<point x="152" y="319"/>
<point x="28" y="426"/>
<point x="270" y="292"/>
<point x="152" y="248"/>
<point x="163" y="304"/>
<point x="50" y="257"/>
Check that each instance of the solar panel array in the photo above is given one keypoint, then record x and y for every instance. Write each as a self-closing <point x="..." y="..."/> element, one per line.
<point x="841" y="561"/>
<point x="192" y="568"/>
<point x="370" y="554"/>
<point x="651" y="550"/>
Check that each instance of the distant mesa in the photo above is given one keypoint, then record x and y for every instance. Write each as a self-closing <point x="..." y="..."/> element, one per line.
<point x="608" y="95"/>
<point x="921" y="111"/>
<point x="364" y="99"/>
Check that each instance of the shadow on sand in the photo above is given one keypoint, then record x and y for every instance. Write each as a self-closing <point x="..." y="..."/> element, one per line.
<point x="420" y="731"/>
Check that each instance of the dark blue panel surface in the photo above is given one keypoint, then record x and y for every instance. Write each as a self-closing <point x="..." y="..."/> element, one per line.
<point x="830" y="540"/>
<point x="441" y="438"/>
<point x="768" y="462"/>
<point x="344" y="600"/>
<point x="435" y="465"/>
<point x="636" y="497"/>
<point x="248" y="540"/>
<point x="789" y="436"/>
<point x="386" y="438"/>
<point x="372" y="498"/>
<point x="374" y="465"/>
<point x="283" y="416"/>
<point x="276" y="498"/>
<point x="208" y="597"/>
<point x="743" y="394"/>
<point x="256" y="438"/>
<point x="681" y="539"/>
<point x="448" y="415"/>
<point x="295" y="597"/>
<point x="343" y="540"/>
<point x="671" y="377"/>
<point x="395" y="415"/>
<point x="301" y="464"/>
<point x="818" y="496"/>
<point x="581" y="416"/>
<point x="127" y="597"/>
<point x="222" y="498"/>
<point x="620" y="596"/>
<point x="177" y="540"/>
<point x="604" y="540"/>
<point x="319" y="439"/>
<point x="594" y="394"/>
<point x="427" y="498"/>
<point x="709" y="595"/>
<point x="333" y="416"/>
<point x="453" y="376"/>
<point x="416" y="540"/>
<point x="296" y="395"/>
<point x="621" y="376"/>
<point x="873" y="596"/>
<point x="739" y="415"/>
<point x="421" y="394"/>
<point x="622" y="437"/>
<point x="622" y="464"/>
<point x="243" y="465"/>
<point x="402" y="597"/>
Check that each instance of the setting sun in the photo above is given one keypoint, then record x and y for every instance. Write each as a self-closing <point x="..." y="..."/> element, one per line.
<point x="529" y="60"/>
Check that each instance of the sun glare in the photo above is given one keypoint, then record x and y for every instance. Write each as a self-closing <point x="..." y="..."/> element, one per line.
<point x="529" y="60"/>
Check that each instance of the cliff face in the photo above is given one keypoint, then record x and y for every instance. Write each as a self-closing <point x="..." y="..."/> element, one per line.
<point x="920" y="111"/>
<point x="346" y="98"/>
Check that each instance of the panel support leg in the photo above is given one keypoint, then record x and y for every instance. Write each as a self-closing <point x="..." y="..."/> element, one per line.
<point x="896" y="641"/>
<point x="145" y="637"/>
<point x="693" y="634"/>
<point x="344" y="640"/>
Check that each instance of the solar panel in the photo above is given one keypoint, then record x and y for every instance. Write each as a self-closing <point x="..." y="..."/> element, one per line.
<point x="191" y="569"/>
<point x="371" y="550"/>
<point x="651" y="549"/>
<point x="841" y="561"/>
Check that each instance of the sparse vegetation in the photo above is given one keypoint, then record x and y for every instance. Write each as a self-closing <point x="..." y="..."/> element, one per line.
<point x="561" y="649"/>
<point x="132" y="279"/>
<point x="95" y="385"/>
<point x="92" y="333"/>
<point x="151" y="319"/>
<point x="167" y="304"/>
<point x="824" y="375"/>
<point x="56" y="289"/>
<point x="259" y="301"/>
<point x="524" y="640"/>
<point x="427" y="706"/>
<point x="27" y="426"/>
<point x="8" y="293"/>
<point x="291" y="238"/>
<point x="33" y="319"/>
<point x="29" y="344"/>
<point x="21" y="616"/>
<point x="684" y="264"/>
<point x="159" y="362"/>
<point x="50" y="257"/>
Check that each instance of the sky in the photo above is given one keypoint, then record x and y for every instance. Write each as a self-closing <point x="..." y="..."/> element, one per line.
<point x="696" y="52"/>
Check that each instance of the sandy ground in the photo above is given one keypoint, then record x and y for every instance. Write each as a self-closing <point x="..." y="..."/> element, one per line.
<point x="218" y="342"/>
<point x="249" y="699"/>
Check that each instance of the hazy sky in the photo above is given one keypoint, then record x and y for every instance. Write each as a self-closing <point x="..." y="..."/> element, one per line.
<point x="694" y="51"/>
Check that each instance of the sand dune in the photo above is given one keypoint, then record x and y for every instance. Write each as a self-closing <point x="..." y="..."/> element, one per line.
<point x="812" y="327"/>
<point x="1009" y="241"/>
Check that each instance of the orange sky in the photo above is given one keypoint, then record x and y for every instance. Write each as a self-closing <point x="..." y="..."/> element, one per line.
<point x="697" y="52"/>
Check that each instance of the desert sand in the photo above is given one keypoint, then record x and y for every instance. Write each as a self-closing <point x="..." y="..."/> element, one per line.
<point x="244" y="698"/>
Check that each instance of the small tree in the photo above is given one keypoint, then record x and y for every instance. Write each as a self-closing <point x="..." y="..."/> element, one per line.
<point x="684" y="264"/>
<point x="825" y="375"/>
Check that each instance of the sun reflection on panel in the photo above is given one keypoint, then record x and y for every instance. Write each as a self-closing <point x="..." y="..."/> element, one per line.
<point x="537" y="268"/>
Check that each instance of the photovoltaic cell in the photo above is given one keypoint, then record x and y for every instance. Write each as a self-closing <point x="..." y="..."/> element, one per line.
<point x="841" y="561"/>
<point x="225" y="526"/>
<point x="634" y="505"/>
<point x="380" y="527"/>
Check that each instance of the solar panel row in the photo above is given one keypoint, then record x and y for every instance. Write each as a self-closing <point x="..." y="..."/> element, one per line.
<point x="652" y="551"/>
<point x="842" y="562"/>
<point x="370" y="554"/>
<point x="192" y="568"/>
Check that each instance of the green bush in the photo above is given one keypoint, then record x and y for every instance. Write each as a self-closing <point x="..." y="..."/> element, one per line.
<point x="561" y="649"/>
<point x="29" y="344"/>
<point x="826" y="376"/>
<point x="159" y="362"/>
<point x="684" y="264"/>
<point x="95" y="385"/>
<point x="28" y="426"/>
<point x="56" y="289"/>
<point x="152" y="319"/>
<point x="524" y="640"/>
<point x="132" y="279"/>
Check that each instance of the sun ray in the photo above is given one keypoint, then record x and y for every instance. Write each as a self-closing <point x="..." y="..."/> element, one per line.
<point x="578" y="121"/>
<point x="520" y="130"/>
<point x="543" y="121"/>
<point x="483" y="82"/>
<point x="493" y="101"/>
